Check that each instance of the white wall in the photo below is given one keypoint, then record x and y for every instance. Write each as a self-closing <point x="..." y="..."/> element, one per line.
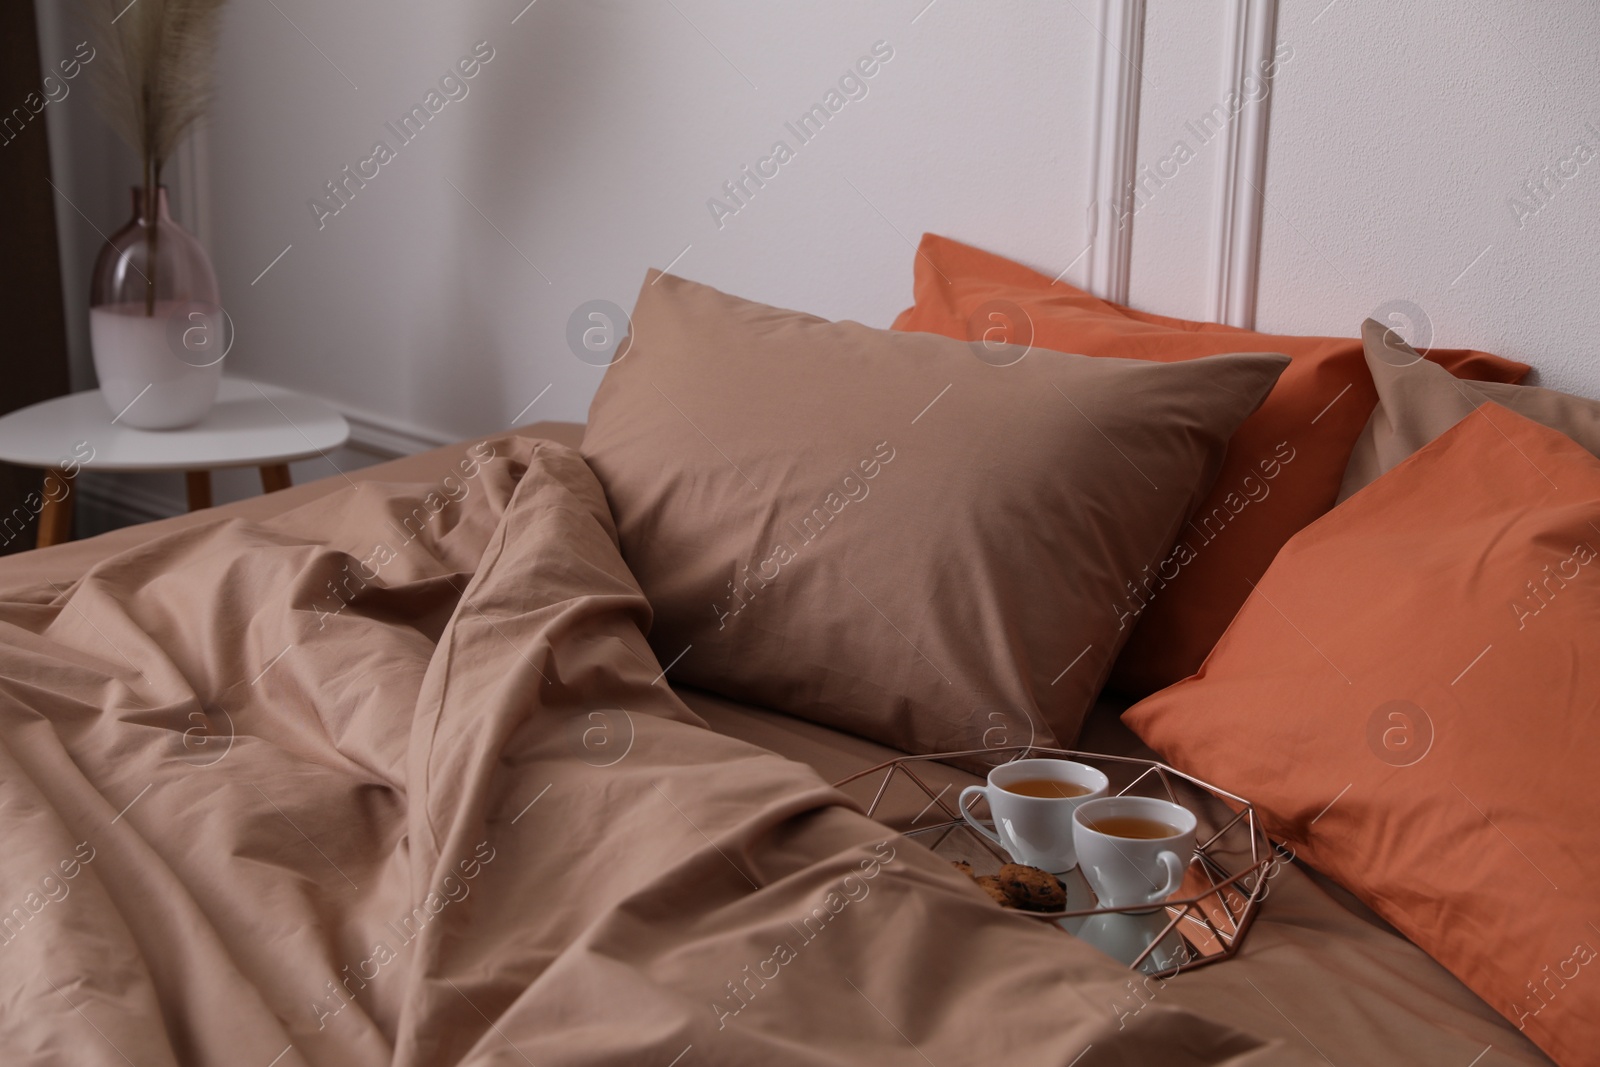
<point x="592" y="142"/>
<point x="1399" y="133"/>
<point x="435" y="304"/>
<point x="588" y="147"/>
<point x="1171" y="246"/>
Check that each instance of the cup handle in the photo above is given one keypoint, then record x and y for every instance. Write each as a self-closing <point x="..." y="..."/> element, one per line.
<point x="966" y="812"/>
<point x="1173" y="864"/>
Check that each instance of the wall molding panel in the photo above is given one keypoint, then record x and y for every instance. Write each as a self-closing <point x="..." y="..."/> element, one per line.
<point x="1242" y="166"/>
<point x="1116" y="147"/>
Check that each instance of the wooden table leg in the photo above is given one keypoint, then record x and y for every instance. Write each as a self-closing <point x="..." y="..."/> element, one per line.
<point x="55" y="514"/>
<point x="275" y="476"/>
<point x="199" y="485"/>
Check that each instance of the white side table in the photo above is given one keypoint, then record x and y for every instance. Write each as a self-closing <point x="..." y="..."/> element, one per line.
<point x="252" y="425"/>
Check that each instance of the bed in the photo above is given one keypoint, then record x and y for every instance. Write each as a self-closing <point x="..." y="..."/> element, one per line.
<point x="261" y="807"/>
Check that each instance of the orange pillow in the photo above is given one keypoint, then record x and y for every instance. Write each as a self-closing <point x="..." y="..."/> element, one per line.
<point x="1410" y="700"/>
<point x="1283" y="468"/>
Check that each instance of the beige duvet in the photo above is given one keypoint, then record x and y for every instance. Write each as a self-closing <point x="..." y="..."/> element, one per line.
<point x="393" y="777"/>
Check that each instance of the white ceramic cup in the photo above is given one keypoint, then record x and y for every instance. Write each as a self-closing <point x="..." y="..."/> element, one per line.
<point x="1127" y="872"/>
<point x="1037" y="831"/>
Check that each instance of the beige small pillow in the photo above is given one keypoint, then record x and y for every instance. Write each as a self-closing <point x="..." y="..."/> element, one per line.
<point x="1418" y="400"/>
<point x="891" y="533"/>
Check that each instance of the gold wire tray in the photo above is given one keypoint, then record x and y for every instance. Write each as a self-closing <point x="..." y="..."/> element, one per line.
<point x="1205" y="922"/>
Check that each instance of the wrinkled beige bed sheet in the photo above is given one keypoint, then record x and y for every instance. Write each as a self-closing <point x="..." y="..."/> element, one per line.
<point x="1319" y="975"/>
<point x="325" y="788"/>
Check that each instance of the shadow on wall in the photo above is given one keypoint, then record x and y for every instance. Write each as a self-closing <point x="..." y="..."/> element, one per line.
<point x="534" y="133"/>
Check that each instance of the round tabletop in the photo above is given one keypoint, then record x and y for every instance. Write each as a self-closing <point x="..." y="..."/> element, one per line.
<point x="251" y="425"/>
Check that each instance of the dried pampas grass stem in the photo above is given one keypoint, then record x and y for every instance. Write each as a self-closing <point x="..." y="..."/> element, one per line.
<point x="155" y="68"/>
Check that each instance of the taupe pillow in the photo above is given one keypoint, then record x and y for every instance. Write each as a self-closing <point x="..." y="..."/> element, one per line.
<point x="1418" y="400"/>
<point x="887" y="534"/>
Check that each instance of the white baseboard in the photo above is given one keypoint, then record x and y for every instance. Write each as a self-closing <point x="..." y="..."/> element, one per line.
<point x="388" y="438"/>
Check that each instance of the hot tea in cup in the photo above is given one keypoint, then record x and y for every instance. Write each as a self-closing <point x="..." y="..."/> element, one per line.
<point x="1046" y="787"/>
<point x="1133" y="850"/>
<point x="1032" y="801"/>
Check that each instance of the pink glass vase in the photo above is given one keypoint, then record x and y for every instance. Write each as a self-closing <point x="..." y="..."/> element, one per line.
<point x="156" y="324"/>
